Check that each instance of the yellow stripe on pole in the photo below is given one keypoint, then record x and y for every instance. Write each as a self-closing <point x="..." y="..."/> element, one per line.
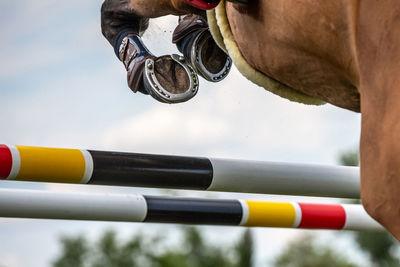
<point x="270" y="214"/>
<point x="51" y="165"/>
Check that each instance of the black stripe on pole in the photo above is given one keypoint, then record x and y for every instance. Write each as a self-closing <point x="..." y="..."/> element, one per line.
<point x="132" y="169"/>
<point x="193" y="211"/>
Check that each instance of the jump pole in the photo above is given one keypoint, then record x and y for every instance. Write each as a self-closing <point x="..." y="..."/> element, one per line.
<point x="45" y="204"/>
<point x="38" y="164"/>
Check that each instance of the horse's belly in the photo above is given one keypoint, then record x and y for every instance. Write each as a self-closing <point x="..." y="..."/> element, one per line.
<point x="305" y="44"/>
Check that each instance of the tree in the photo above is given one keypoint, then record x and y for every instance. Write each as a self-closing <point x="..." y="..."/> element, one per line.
<point x="350" y="158"/>
<point x="380" y="248"/>
<point x="244" y="250"/>
<point x="304" y="252"/>
<point x="74" y="252"/>
<point x="193" y="251"/>
<point x="112" y="252"/>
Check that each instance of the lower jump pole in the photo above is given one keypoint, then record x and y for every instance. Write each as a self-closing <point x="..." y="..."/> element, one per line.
<point x="46" y="204"/>
<point x="22" y="163"/>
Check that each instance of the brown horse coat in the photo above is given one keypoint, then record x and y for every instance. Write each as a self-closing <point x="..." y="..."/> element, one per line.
<point x="345" y="52"/>
<point x="305" y="48"/>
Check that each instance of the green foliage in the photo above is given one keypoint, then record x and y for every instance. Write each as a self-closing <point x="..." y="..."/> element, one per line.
<point x="112" y="252"/>
<point x="304" y="252"/>
<point x="194" y="251"/>
<point x="349" y="158"/>
<point x="244" y="250"/>
<point x="380" y="247"/>
<point x="74" y="252"/>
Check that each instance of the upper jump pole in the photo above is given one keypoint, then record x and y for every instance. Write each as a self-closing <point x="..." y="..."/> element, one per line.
<point x="23" y="163"/>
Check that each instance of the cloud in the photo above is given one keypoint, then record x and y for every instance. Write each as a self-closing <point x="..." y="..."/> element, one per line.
<point x="166" y="128"/>
<point x="9" y="260"/>
<point x="46" y="33"/>
<point x="229" y="121"/>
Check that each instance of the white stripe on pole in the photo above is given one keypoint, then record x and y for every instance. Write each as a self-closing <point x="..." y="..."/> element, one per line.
<point x="16" y="162"/>
<point x="88" y="167"/>
<point x="298" y="218"/>
<point x="358" y="219"/>
<point x="245" y="212"/>
<point x="284" y="178"/>
<point x="22" y="203"/>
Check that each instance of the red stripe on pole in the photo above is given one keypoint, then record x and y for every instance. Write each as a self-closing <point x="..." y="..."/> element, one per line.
<point x="5" y="161"/>
<point x="322" y="216"/>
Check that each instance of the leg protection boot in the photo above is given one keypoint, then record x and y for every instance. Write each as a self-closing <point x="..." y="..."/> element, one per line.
<point x="194" y="41"/>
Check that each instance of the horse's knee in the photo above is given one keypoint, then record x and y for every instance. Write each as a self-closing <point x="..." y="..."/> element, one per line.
<point x="380" y="183"/>
<point x="380" y="161"/>
<point x="374" y="206"/>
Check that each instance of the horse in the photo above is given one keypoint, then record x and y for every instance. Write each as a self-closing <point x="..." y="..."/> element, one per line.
<point x="344" y="52"/>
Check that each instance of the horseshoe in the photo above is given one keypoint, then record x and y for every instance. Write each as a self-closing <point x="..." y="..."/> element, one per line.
<point x="197" y="62"/>
<point x="157" y="91"/>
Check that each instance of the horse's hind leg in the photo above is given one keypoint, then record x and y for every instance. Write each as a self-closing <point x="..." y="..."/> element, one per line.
<point x="379" y="60"/>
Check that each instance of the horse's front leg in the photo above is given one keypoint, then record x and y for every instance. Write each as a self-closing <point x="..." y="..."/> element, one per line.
<point x="379" y="60"/>
<point x="167" y="78"/>
<point x="193" y="39"/>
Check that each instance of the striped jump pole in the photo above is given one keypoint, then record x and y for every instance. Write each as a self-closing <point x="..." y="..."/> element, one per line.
<point x="23" y="163"/>
<point x="47" y="204"/>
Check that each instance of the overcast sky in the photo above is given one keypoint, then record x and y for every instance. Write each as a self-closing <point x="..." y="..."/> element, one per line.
<point x="62" y="86"/>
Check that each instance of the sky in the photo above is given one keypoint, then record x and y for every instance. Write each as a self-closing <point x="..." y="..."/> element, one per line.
<point x="62" y="86"/>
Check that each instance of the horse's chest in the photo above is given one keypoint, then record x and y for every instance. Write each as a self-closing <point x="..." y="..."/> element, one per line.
<point x="305" y="44"/>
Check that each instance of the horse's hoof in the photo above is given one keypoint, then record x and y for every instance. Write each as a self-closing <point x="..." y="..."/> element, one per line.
<point x="209" y="61"/>
<point x="169" y="79"/>
<point x="193" y="38"/>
